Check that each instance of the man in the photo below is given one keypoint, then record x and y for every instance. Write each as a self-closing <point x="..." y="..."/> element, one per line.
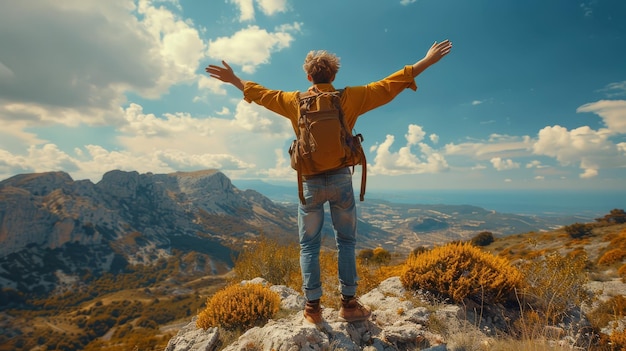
<point x="334" y="186"/>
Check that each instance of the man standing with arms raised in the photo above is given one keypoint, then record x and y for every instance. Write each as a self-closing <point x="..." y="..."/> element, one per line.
<point x="335" y="186"/>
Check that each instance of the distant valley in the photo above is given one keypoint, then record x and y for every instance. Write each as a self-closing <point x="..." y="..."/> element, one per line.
<point x="52" y="226"/>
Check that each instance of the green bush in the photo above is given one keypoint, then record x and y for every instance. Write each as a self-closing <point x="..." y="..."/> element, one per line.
<point x="616" y="216"/>
<point x="483" y="239"/>
<point x="578" y="230"/>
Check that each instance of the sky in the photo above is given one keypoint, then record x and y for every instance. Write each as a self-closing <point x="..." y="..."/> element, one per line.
<point x="532" y="96"/>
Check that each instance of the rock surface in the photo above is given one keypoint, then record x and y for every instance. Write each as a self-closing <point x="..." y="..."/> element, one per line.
<point x="400" y="321"/>
<point x="396" y="324"/>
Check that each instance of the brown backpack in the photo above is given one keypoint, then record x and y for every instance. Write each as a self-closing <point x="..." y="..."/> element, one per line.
<point x="323" y="141"/>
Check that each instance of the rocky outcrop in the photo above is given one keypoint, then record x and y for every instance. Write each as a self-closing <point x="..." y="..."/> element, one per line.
<point x="400" y="320"/>
<point x="396" y="324"/>
<point x="127" y="217"/>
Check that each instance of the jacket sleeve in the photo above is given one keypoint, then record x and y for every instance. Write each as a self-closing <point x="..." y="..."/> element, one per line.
<point x="360" y="99"/>
<point x="281" y="102"/>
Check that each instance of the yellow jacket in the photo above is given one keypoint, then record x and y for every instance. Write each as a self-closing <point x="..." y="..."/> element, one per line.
<point x="355" y="101"/>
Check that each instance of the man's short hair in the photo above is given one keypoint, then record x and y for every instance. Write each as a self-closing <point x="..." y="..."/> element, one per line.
<point x="321" y="66"/>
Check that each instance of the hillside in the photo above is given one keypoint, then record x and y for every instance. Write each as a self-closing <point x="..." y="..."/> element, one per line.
<point x="148" y="308"/>
<point x="54" y="229"/>
<point x="574" y="301"/>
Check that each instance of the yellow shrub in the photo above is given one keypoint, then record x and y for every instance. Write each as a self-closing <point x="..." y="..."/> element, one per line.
<point x="618" y="339"/>
<point x="618" y="240"/>
<point x="622" y="271"/>
<point x="371" y="275"/>
<point x="239" y="306"/>
<point x="611" y="310"/>
<point x="277" y="263"/>
<point x="329" y="278"/>
<point x="612" y="256"/>
<point x="381" y="256"/>
<point x="555" y="283"/>
<point x="459" y="271"/>
<point x="577" y="252"/>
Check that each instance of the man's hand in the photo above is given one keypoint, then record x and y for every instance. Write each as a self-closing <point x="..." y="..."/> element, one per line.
<point x="438" y="50"/>
<point x="225" y="74"/>
<point x="434" y="54"/>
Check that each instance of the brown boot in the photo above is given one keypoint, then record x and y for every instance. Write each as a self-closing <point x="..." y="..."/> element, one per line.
<point x="313" y="312"/>
<point x="352" y="310"/>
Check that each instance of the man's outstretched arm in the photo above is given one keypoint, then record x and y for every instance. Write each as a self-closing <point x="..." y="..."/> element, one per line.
<point x="434" y="54"/>
<point x="225" y="74"/>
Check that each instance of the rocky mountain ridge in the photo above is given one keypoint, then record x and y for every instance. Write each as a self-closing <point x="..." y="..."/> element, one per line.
<point x="51" y="224"/>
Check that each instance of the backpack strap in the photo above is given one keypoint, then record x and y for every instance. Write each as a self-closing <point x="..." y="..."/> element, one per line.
<point x="363" y="169"/>
<point x="337" y="103"/>
<point x="300" y="187"/>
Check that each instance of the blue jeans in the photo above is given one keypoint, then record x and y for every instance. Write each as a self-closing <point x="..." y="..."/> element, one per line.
<point x="334" y="187"/>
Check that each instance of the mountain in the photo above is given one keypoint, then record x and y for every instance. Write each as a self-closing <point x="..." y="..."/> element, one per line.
<point x="52" y="227"/>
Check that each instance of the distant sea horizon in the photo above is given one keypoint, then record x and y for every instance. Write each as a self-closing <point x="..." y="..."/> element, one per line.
<point x="524" y="202"/>
<point x="544" y="202"/>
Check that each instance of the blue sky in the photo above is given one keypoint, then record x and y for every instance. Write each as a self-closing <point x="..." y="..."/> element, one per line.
<point x="532" y="96"/>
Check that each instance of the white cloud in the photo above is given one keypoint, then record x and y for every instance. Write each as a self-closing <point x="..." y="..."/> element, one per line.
<point x="405" y="161"/>
<point x="406" y="2"/>
<point x="251" y="46"/>
<point x="434" y="138"/>
<point x="534" y="164"/>
<point x="503" y="165"/>
<point x="282" y="169"/>
<point x="182" y="129"/>
<point x="270" y="7"/>
<point x="94" y="161"/>
<point x="224" y="111"/>
<point x="214" y="86"/>
<point x="13" y="136"/>
<point x="95" y="52"/>
<point x="246" y="9"/>
<point x="590" y="150"/>
<point x="496" y="145"/>
<point x="38" y="159"/>
<point x="254" y="118"/>
<point x="589" y="173"/>
<point x="583" y="146"/>
<point x="157" y="161"/>
<point x="569" y="146"/>
<point x="478" y="167"/>
<point x="612" y="112"/>
<point x="415" y="135"/>
<point x="615" y="89"/>
<point x="183" y="142"/>
<point x="163" y="144"/>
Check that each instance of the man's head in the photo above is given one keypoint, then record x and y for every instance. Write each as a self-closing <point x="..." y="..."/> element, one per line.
<point x="321" y="66"/>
